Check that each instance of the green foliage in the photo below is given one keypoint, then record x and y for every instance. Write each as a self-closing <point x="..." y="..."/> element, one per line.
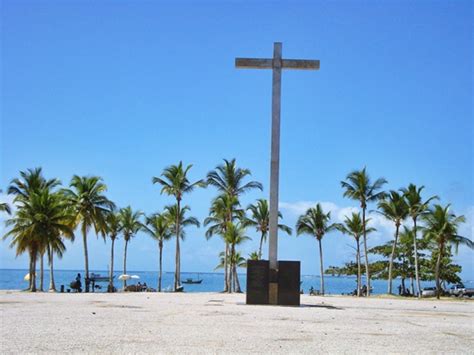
<point x="316" y="223"/>
<point x="174" y="181"/>
<point x="130" y="222"/>
<point x="174" y="215"/>
<point x="358" y="186"/>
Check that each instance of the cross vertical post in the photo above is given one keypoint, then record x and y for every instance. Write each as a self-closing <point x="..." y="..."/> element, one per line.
<point x="274" y="174"/>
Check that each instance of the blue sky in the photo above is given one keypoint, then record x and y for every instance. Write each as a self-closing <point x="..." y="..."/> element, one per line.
<point x="123" y="89"/>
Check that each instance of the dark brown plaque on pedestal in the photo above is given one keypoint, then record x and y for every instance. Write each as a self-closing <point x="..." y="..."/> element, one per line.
<point x="289" y="283"/>
<point x="257" y="281"/>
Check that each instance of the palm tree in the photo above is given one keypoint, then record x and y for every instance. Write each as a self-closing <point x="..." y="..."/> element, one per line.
<point x="230" y="180"/>
<point x="260" y="219"/>
<point x="32" y="181"/>
<point x="416" y="208"/>
<point x="235" y="235"/>
<point x="222" y="208"/>
<point x="441" y="228"/>
<point x="91" y="208"/>
<point x="316" y="223"/>
<point x="174" y="182"/>
<point x="39" y="224"/>
<point x="61" y="220"/>
<point x="395" y="209"/>
<point x="177" y="215"/>
<point x="158" y="227"/>
<point x="354" y="227"/>
<point x="359" y="187"/>
<point x="130" y="225"/>
<point x="114" y="227"/>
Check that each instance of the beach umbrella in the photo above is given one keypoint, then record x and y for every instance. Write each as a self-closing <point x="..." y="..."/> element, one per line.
<point x="27" y="277"/>
<point x="136" y="277"/>
<point x="124" y="277"/>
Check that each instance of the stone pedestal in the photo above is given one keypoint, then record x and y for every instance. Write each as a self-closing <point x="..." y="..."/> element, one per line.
<point x="279" y="287"/>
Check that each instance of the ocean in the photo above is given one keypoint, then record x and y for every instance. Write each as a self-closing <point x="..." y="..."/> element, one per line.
<point x="13" y="279"/>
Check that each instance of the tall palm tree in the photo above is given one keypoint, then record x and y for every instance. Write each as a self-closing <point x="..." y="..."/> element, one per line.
<point x="177" y="215"/>
<point x="40" y="224"/>
<point x="222" y="208"/>
<point x="175" y="182"/>
<point x="359" y="187"/>
<point x="260" y="219"/>
<point x="130" y="225"/>
<point x="32" y="181"/>
<point x="395" y="208"/>
<point x="158" y="227"/>
<point x="354" y="227"/>
<point x="114" y="227"/>
<point x="234" y="235"/>
<point x="229" y="179"/>
<point x="315" y="222"/>
<point x="441" y="228"/>
<point x="416" y="208"/>
<point x="91" y="208"/>
<point x="61" y="218"/>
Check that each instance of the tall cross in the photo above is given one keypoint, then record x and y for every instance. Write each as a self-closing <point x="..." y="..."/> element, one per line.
<point x="277" y="63"/>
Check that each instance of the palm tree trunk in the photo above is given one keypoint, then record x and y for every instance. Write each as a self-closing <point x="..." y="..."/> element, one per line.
<point x="367" y="272"/>
<point x="41" y="272"/>
<point x="231" y="257"/>
<point x="359" y="272"/>
<point x="125" y="264"/>
<point x="236" y="278"/>
<point x="438" y="263"/>
<point x="392" y="255"/>
<point x="160" y="245"/>
<point x="226" y="276"/>
<point x="260" y="248"/>
<point x="52" y="285"/>
<point x="33" y="274"/>
<point x="111" y="276"/>
<point x="86" y="256"/>
<point x="321" y="265"/>
<point x="31" y="270"/>
<point x="177" y="272"/>
<point x="417" y="276"/>
<point x="403" y="286"/>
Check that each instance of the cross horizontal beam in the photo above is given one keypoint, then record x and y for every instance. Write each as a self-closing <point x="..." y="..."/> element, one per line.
<point x="262" y="63"/>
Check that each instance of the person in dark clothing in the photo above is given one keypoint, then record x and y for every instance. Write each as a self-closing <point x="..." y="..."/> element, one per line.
<point x="78" y="280"/>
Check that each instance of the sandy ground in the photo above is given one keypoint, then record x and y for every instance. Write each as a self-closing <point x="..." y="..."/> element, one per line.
<point x="221" y="323"/>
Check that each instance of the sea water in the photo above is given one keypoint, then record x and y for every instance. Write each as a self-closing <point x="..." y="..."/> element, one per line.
<point x="13" y="279"/>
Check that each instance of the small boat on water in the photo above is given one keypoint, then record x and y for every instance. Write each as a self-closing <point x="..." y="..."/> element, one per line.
<point x="99" y="278"/>
<point x="192" y="281"/>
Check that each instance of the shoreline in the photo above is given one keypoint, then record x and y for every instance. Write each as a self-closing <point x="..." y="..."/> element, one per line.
<point x="212" y="322"/>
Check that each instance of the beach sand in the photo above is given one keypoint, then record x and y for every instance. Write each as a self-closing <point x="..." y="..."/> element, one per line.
<point x="222" y="323"/>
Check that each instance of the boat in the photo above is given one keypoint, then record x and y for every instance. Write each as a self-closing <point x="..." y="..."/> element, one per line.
<point x="191" y="281"/>
<point x="99" y="278"/>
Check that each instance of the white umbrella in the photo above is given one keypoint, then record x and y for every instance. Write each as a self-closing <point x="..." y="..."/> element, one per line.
<point x="124" y="277"/>
<point x="136" y="277"/>
<point x="27" y="277"/>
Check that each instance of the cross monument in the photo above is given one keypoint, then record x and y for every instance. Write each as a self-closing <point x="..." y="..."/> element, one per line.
<point x="277" y="63"/>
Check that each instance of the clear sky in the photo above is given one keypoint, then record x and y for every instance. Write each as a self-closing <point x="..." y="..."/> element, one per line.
<point x="121" y="89"/>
